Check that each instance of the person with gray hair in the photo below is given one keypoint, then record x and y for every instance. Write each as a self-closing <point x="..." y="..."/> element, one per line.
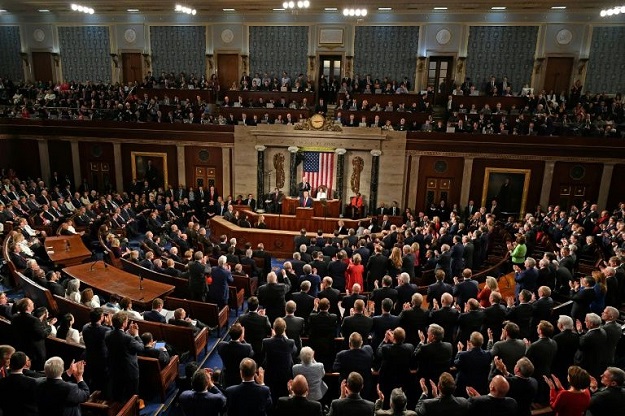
<point x="59" y="397"/>
<point x="314" y="279"/>
<point x="591" y="344"/>
<point x="567" y="341"/>
<point x="611" y="396"/>
<point x="221" y="278"/>
<point x="314" y="373"/>
<point x="398" y="404"/>
<point x="73" y="290"/>
<point x="613" y="331"/>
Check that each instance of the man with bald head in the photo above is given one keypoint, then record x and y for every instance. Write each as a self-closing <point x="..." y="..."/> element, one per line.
<point x="446" y="316"/>
<point x="358" y="321"/>
<point x="354" y="293"/>
<point x="495" y="403"/>
<point x="297" y="402"/>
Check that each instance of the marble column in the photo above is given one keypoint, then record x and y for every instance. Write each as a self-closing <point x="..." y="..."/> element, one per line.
<point x="76" y="163"/>
<point x="375" y="170"/>
<point x="182" y="168"/>
<point x="546" y="187"/>
<point x="340" y="172"/>
<point x="226" y="162"/>
<point x="44" y="160"/>
<point x="117" y="156"/>
<point x="293" y="170"/>
<point x="260" y="172"/>
<point x="606" y="182"/>
<point x="414" y="181"/>
<point x="467" y="172"/>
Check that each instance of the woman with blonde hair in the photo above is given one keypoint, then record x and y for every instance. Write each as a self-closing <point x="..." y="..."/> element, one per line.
<point x="598" y="304"/>
<point x="490" y="286"/>
<point x="395" y="262"/>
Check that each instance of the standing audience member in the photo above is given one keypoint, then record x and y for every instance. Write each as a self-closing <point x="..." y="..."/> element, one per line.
<point x="297" y="403"/>
<point x="58" y="397"/>
<point x="123" y="363"/>
<point x="205" y="399"/>
<point x="576" y="399"/>
<point x="251" y="397"/>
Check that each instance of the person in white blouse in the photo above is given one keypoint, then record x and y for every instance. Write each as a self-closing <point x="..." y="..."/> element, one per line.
<point x="73" y="290"/>
<point x="66" y="332"/>
<point x="322" y="192"/>
<point x="89" y="299"/>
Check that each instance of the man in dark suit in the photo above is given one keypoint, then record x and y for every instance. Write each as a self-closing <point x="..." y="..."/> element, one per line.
<point x="590" y="343"/>
<point x="611" y="396"/>
<point x="457" y="259"/>
<point x="541" y="353"/>
<point x="322" y="327"/>
<point x="30" y="333"/>
<point x="331" y="294"/>
<point x="303" y="300"/>
<point x="522" y="313"/>
<point x="376" y="266"/>
<point x="568" y="343"/>
<point x="465" y="288"/>
<point x="256" y="325"/>
<point x="279" y="352"/>
<point x="305" y="200"/>
<point x="384" y="323"/>
<point x="384" y="292"/>
<point x="250" y="202"/>
<point x="443" y="262"/>
<point x="509" y="349"/>
<point x="396" y="358"/>
<point x="93" y="335"/>
<point x="251" y="397"/>
<point x="294" y="324"/>
<point x="413" y="319"/>
<point x="473" y="365"/>
<point x="180" y="318"/>
<point x="123" y="364"/>
<point x="232" y="353"/>
<point x="443" y="402"/>
<point x="205" y="398"/>
<point x="149" y="350"/>
<point x="197" y="277"/>
<point x="222" y="277"/>
<point x="494" y="316"/>
<point x="357" y="358"/>
<point x="155" y="315"/>
<point x="436" y="289"/>
<point x="541" y="308"/>
<point x="297" y="403"/>
<point x="58" y="397"/>
<point x="303" y="186"/>
<point x="18" y="391"/>
<point x="496" y="402"/>
<point x="350" y="403"/>
<point x="613" y="331"/>
<point x="53" y="285"/>
<point x="470" y="320"/>
<point x="272" y="296"/>
<point x="432" y="355"/>
<point x="446" y="316"/>
<point x="314" y="279"/>
<point x="405" y="290"/>
<point x="357" y="321"/>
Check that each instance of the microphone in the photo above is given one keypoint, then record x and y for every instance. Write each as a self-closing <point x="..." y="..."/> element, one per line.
<point x="106" y="266"/>
<point x="141" y="282"/>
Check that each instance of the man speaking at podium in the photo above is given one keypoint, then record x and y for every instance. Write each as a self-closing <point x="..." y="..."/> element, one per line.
<point x="305" y="201"/>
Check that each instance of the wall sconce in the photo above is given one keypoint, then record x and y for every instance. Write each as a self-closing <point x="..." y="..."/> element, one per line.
<point x="421" y="63"/>
<point x="211" y="62"/>
<point x="538" y="65"/>
<point x="147" y="59"/>
<point x="25" y="59"/>
<point x="115" y="59"/>
<point x="56" y="57"/>
<point x="460" y="64"/>
<point x="244" y="62"/>
<point x="581" y="66"/>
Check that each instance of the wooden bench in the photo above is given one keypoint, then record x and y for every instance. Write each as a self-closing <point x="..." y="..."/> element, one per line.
<point x="181" y="338"/>
<point x="40" y="295"/>
<point x="154" y="379"/>
<point x="208" y="313"/>
<point x="236" y="297"/>
<point x="181" y="285"/>
<point x="68" y="351"/>
<point x="12" y="269"/>
<point x="97" y="406"/>
<point x="108" y="253"/>
<point x="80" y="312"/>
<point x="248" y="285"/>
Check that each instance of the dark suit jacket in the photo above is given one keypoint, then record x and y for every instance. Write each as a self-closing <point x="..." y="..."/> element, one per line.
<point x="432" y="359"/>
<point x="381" y="324"/>
<point x="492" y="406"/>
<point x="30" y="334"/>
<point x="56" y="289"/>
<point x="352" y="405"/>
<point x="231" y="354"/>
<point x="588" y="355"/>
<point x="473" y="367"/>
<point x="18" y="395"/>
<point x="469" y="322"/>
<point x="376" y="268"/>
<point x="436" y="290"/>
<point x="248" y="399"/>
<point x="348" y="302"/>
<point x="395" y="368"/>
<point x="332" y="295"/>
<point x="154" y="316"/>
<point x="606" y="400"/>
<point x="522" y="316"/>
<point x="447" y="317"/>
<point x="197" y="281"/>
<point x="288" y="406"/>
<point x="294" y="329"/>
<point x="122" y="355"/>
<point x="272" y="297"/>
<point x="509" y="351"/>
<point x="60" y="398"/>
<point x="541" y="353"/>
<point x="568" y="342"/>
<point x="379" y="294"/>
<point x="404" y="295"/>
<point x="494" y="316"/>
<point x="305" y="304"/>
<point x="96" y="354"/>
<point x="613" y="332"/>
<point x="278" y="363"/>
<point x="443" y="406"/>
<point x="257" y="327"/>
<point x="357" y="323"/>
<point x="414" y="320"/>
<point x="359" y="360"/>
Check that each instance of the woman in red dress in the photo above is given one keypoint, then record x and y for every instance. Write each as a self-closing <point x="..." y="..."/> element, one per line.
<point x="354" y="272"/>
<point x="575" y="400"/>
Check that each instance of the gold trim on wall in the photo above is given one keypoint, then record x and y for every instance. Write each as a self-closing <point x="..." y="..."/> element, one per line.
<point x="526" y="184"/>
<point x="149" y="155"/>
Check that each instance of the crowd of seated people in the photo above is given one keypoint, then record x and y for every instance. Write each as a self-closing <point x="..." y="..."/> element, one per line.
<point x="456" y="332"/>
<point x="181" y="81"/>
<point x="273" y="82"/>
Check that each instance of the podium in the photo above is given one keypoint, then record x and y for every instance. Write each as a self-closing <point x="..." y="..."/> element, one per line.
<point x="331" y="208"/>
<point x="302" y="213"/>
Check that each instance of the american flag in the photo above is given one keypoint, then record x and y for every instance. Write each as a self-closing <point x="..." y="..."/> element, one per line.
<point x="319" y="169"/>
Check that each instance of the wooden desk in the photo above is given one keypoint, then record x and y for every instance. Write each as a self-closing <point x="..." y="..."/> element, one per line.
<point x="67" y="249"/>
<point x="113" y="281"/>
<point x="332" y="209"/>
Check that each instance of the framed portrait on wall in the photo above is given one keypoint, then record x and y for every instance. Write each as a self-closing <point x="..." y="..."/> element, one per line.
<point x="509" y="187"/>
<point x="151" y="167"/>
<point x="330" y="36"/>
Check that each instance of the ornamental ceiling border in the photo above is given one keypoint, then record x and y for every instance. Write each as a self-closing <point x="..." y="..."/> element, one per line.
<point x="416" y="153"/>
<point x="166" y="142"/>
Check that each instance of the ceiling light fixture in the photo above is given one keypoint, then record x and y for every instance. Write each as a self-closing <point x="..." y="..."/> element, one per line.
<point x="82" y="9"/>
<point x="498" y="8"/>
<point x="183" y="9"/>
<point x="44" y="11"/>
<point x="132" y="10"/>
<point x="614" y="11"/>
<point x="440" y="8"/>
<point x="293" y="5"/>
<point x="331" y="9"/>
<point x="278" y="9"/>
<point x="385" y="9"/>
<point x="228" y="10"/>
<point x="558" y="7"/>
<point x="355" y="12"/>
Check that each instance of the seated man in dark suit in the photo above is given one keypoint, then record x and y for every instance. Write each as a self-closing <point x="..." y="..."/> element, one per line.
<point x="180" y="319"/>
<point x="350" y="403"/>
<point x="155" y="315"/>
<point x="60" y="397"/>
<point x="251" y="397"/>
<point x="53" y="283"/>
<point x="297" y="403"/>
<point x="150" y="351"/>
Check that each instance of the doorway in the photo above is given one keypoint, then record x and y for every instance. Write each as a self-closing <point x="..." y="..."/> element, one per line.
<point x="132" y="67"/>
<point x="440" y="77"/>
<point x="437" y="189"/>
<point x="227" y="70"/>
<point x="101" y="176"/>
<point x="331" y="68"/>
<point x="42" y="67"/>
<point x="204" y="176"/>
<point x="558" y="74"/>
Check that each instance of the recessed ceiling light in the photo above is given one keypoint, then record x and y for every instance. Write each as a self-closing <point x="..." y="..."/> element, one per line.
<point x="278" y="10"/>
<point x="2" y="11"/>
<point x="331" y="9"/>
<point x="559" y="7"/>
<point x="385" y="9"/>
<point x="132" y="10"/>
<point x="44" y="11"/>
<point x="440" y="8"/>
<point x="228" y="10"/>
<point x="498" y="8"/>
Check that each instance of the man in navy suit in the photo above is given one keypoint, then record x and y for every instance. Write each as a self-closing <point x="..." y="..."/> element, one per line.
<point x="123" y="363"/>
<point x="251" y="397"/>
<point x="18" y="391"/>
<point x="222" y="277"/>
<point x="436" y="290"/>
<point x="93" y="335"/>
<point x="350" y="403"/>
<point x="232" y="352"/>
<point x="297" y="403"/>
<point x="279" y="351"/>
<point x="205" y="398"/>
<point x="357" y="358"/>
<point x="59" y="397"/>
<point x="473" y="365"/>
<point x="305" y="200"/>
<point x="155" y="314"/>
